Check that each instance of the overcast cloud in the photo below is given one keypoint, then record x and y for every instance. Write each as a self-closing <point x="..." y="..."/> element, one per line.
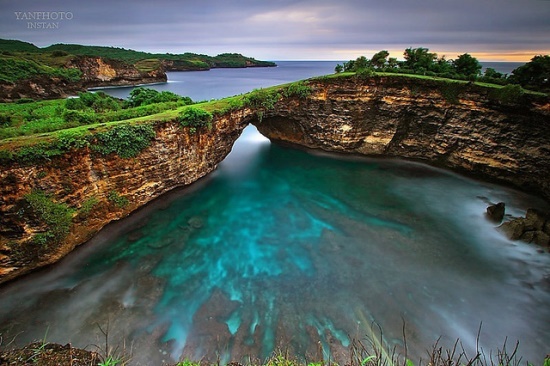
<point x="284" y="29"/>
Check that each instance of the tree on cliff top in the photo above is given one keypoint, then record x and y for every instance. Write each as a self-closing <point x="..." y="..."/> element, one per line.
<point x="378" y="60"/>
<point x="419" y="58"/>
<point x="534" y="74"/>
<point x="467" y="65"/>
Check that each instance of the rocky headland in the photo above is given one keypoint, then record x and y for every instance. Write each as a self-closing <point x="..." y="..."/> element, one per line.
<point x="95" y="72"/>
<point x="473" y="129"/>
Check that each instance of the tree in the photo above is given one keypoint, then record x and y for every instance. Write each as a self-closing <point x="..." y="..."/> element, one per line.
<point x="443" y="66"/>
<point x="361" y="63"/>
<point x="492" y="73"/>
<point x="349" y="66"/>
<point x="338" y="69"/>
<point x="467" y="65"/>
<point x="378" y="60"/>
<point x="392" y="62"/>
<point x="534" y="74"/>
<point x="419" y="59"/>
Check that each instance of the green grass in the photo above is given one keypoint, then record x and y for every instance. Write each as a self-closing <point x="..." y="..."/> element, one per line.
<point x="17" y="66"/>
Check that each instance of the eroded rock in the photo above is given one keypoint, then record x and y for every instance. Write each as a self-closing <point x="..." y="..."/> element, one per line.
<point x="496" y="212"/>
<point x="533" y="228"/>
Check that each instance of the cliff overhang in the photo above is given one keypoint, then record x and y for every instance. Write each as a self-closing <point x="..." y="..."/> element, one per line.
<point x="461" y="126"/>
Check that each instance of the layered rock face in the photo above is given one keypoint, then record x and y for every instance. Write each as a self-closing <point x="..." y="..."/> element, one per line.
<point x="175" y="158"/>
<point x="459" y="126"/>
<point x="96" y="72"/>
<point x="476" y="130"/>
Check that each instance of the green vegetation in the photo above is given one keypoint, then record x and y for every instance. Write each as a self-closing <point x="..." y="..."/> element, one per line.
<point x="57" y="217"/>
<point x="87" y="207"/>
<point x="298" y="89"/>
<point x="110" y="361"/>
<point x="143" y="61"/>
<point x="143" y="96"/>
<point x="510" y="94"/>
<point x="534" y="75"/>
<point x="262" y="100"/>
<point x="13" y="68"/>
<point x="21" y="60"/>
<point x="127" y="141"/>
<point x="118" y="200"/>
<point x="195" y="118"/>
<point x="89" y="108"/>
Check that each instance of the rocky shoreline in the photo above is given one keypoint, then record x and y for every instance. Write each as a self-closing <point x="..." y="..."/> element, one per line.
<point x="96" y="72"/>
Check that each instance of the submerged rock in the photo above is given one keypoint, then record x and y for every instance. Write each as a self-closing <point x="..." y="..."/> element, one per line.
<point x="495" y="212"/>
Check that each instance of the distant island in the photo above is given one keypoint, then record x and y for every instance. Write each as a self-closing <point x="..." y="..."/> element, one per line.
<point x="59" y="70"/>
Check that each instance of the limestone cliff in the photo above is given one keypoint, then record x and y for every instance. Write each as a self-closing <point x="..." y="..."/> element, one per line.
<point x="175" y="158"/>
<point x="96" y="72"/>
<point x="477" y="130"/>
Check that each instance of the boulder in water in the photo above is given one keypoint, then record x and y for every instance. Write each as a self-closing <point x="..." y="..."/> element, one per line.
<point x="513" y="229"/>
<point x="495" y="212"/>
<point x="533" y="228"/>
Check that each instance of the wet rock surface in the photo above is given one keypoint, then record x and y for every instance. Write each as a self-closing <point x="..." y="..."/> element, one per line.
<point x="496" y="212"/>
<point x="533" y="228"/>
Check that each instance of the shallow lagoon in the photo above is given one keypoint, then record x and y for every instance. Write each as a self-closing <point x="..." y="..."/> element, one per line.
<point x="287" y="248"/>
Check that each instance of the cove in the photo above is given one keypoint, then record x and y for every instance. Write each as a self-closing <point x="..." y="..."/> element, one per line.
<point x="281" y="247"/>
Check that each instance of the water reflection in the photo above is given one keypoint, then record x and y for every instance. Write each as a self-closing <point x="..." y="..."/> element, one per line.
<point x="281" y="247"/>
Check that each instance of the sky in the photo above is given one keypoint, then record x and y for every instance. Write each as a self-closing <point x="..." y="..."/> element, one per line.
<point x="491" y="30"/>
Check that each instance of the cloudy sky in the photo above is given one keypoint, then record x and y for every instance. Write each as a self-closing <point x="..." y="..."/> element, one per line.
<point x="491" y="30"/>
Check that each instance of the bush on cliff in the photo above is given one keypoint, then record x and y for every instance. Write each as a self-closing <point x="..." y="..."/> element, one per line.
<point x="145" y="96"/>
<point x="127" y="141"/>
<point x="195" y="118"/>
<point x="56" y="216"/>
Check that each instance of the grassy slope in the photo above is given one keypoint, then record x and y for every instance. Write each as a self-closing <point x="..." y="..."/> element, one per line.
<point x="21" y="60"/>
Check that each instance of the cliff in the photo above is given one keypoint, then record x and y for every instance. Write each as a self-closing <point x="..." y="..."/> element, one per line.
<point x="93" y="71"/>
<point x="100" y="72"/>
<point x="494" y="134"/>
<point x="98" y="189"/>
<point x="497" y="134"/>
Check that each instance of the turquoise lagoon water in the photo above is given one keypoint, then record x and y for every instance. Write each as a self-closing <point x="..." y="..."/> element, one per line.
<point x="287" y="248"/>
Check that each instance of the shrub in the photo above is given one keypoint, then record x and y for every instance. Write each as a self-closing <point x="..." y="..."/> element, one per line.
<point x="144" y="96"/>
<point x="117" y="199"/>
<point x="78" y="117"/>
<point x="195" y="118"/>
<point x="298" y="89"/>
<point x="5" y="120"/>
<point x="126" y="141"/>
<point x="262" y="99"/>
<point x="510" y="94"/>
<point x="364" y="73"/>
<point x="56" y="216"/>
<point x="87" y="207"/>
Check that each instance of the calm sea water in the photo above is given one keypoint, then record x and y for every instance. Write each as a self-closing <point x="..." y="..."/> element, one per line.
<point x="306" y="251"/>
<point x="219" y="83"/>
